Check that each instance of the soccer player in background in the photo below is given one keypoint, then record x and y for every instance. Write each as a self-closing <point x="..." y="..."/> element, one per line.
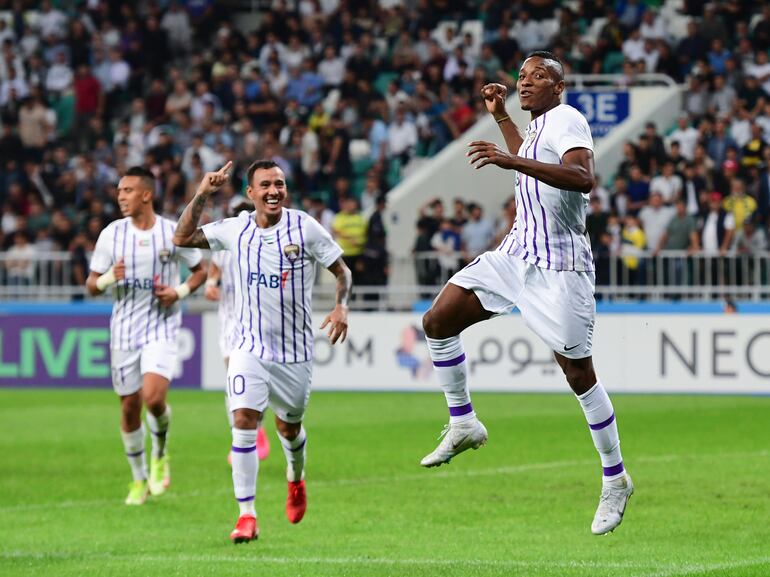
<point x="275" y="251"/>
<point x="543" y="267"/>
<point x="220" y="287"/>
<point x="136" y="258"/>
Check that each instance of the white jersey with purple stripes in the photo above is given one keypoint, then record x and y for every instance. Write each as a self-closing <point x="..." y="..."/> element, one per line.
<point x="226" y="309"/>
<point x="150" y="258"/>
<point x="549" y="230"/>
<point x="275" y="270"/>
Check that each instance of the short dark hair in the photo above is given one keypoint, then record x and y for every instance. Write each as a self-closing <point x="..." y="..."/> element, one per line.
<point x="262" y="164"/>
<point x="547" y="55"/>
<point x="147" y="178"/>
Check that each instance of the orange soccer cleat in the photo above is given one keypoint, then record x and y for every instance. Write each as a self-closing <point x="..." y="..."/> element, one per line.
<point x="296" y="501"/>
<point x="263" y="444"/>
<point x="246" y="529"/>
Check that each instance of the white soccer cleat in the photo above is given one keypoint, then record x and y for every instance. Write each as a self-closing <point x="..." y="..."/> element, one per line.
<point x="457" y="438"/>
<point x="612" y="505"/>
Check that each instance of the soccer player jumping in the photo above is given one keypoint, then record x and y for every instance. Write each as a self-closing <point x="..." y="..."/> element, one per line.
<point x="543" y="267"/>
<point x="275" y="251"/>
<point x="135" y="255"/>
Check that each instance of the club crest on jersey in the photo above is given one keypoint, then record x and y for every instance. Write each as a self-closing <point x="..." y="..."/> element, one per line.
<point x="144" y="242"/>
<point x="164" y="255"/>
<point x="291" y="252"/>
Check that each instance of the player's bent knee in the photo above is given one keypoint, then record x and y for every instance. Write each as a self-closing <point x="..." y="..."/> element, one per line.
<point x="246" y="418"/>
<point x="288" y="431"/>
<point x="432" y="325"/>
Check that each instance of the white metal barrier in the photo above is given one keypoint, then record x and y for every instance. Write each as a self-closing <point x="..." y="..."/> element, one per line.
<point x="664" y="276"/>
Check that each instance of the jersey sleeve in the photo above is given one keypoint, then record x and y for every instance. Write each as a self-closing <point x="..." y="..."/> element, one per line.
<point x="190" y="256"/>
<point x="221" y="234"/>
<point x="319" y="243"/>
<point x="101" y="259"/>
<point x="572" y="132"/>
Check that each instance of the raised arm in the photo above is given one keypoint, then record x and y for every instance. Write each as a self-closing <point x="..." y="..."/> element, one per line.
<point x="187" y="231"/>
<point x="339" y="316"/>
<point x="494" y="96"/>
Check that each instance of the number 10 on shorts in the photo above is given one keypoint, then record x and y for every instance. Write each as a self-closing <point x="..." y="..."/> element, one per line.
<point x="236" y="385"/>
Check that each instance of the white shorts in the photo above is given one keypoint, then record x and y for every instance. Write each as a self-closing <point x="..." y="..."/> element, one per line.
<point x="129" y="366"/>
<point x="558" y="306"/>
<point x="253" y="383"/>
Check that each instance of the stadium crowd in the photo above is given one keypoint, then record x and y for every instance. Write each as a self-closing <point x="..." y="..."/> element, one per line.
<point x="343" y="94"/>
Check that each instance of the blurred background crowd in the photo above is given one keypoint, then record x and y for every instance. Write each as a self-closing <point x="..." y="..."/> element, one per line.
<point x="344" y="95"/>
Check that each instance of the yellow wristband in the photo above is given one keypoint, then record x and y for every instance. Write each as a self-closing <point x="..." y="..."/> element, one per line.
<point x="506" y="117"/>
<point x="106" y="280"/>
<point x="182" y="291"/>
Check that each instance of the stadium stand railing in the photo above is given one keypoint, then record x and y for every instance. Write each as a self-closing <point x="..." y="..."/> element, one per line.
<point x="626" y="276"/>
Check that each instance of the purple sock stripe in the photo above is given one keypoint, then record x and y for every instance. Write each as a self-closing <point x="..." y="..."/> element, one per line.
<point x="614" y="470"/>
<point x="244" y="499"/>
<point x="603" y="424"/>
<point x="302" y="444"/>
<point x="135" y="454"/>
<point x="460" y="411"/>
<point x="451" y="362"/>
<point x="244" y="449"/>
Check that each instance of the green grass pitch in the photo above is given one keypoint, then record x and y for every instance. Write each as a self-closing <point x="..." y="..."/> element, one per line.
<point x="522" y="505"/>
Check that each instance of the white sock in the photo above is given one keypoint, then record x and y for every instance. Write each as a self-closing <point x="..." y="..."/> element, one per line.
<point x="295" y="455"/>
<point x="245" y="467"/>
<point x="604" y="430"/>
<point x="451" y="369"/>
<point x="159" y="431"/>
<point x="230" y="418"/>
<point x="133" y="443"/>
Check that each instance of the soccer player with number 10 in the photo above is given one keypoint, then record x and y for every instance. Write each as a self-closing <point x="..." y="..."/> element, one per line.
<point x="275" y="251"/>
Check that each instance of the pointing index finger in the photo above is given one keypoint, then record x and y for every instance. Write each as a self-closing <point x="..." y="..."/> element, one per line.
<point x="226" y="167"/>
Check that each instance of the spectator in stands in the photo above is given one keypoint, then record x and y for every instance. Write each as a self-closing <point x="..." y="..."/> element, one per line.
<point x="668" y="184"/>
<point x="655" y="219"/>
<point x="20" y="260"/>
<point x="375" y="256"/>
<point x="634" y="242"/>
<point x="349" y="230"/>
<point x="740" y="205"/>
<point x="720" y="142"/>
<point x="477" y="234"/>
<point x="718" y="228"/>
<point x="638" y="190"/>
<point x="723" y="96"/>
<point x="681" y="232"/>
<point x="447" y="242"/>
<point x="402" y="136"/>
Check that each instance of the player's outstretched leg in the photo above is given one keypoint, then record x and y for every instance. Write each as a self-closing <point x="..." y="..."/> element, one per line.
<point x="617" y="487"/>
<point x="132" y="433"/>
<point x="245" y="468"/>
<point x="294" y="442"/>
<point x="454" y="310"/>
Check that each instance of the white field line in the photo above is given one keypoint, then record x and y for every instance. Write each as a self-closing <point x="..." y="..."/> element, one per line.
<point x="651" y="569"/>
<point x="445" y="473"/>
<point x="700" y="568"/>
